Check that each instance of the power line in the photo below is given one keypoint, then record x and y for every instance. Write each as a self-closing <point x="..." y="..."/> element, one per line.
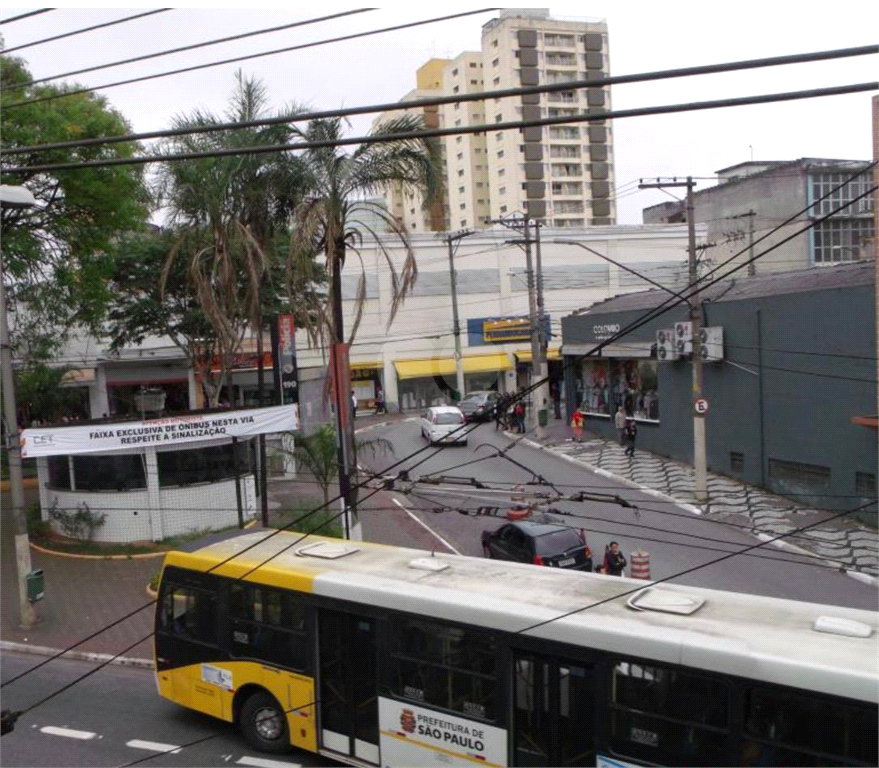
<point x="438" y="132"/>
<point x="192" y="47"/>
<point x="442" y="100"/>
<point x="245" y="58"/>
<point x="25" y="15"/>
<point x="77" y="32"/>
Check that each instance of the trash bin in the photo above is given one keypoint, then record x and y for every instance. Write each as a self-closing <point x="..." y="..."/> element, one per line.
<point x="543" y="417"/>
<point x="35" y="587"/>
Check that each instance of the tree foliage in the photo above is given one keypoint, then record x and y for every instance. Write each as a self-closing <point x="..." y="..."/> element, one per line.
<point x="58" y="255"/>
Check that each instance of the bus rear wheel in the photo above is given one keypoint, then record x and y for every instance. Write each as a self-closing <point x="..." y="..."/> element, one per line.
<point x="264" y="724"/>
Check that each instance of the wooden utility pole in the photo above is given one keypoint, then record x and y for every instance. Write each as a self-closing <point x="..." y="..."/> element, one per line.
<point x="700" y="468"/>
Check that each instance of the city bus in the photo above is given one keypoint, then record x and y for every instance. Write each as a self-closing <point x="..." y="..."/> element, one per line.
<point x="382" y="656"/>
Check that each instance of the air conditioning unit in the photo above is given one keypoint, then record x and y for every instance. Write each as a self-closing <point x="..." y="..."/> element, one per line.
<point x="684" y="339"/>
<point x="665" y="345"/>
<point x="712" y="344"/>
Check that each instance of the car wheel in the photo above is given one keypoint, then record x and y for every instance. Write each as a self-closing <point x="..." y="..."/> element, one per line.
<point x="264" y="724"/>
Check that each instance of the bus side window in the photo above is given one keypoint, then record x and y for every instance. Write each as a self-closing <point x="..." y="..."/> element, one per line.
<point x="189" y="613"/>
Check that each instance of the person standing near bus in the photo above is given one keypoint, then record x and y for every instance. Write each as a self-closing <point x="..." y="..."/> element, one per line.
<point x="614" y="560"/>
<point x="631" y="432"/>
<point x="619" y="421"/>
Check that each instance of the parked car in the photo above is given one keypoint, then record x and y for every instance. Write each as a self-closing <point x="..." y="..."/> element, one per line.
<point x="552" y="544"/>
<point x="479" y="406"/>
<point x="444" y="424"/>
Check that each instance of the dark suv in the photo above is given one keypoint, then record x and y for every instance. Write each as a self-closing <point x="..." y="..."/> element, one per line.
<point x="479" y="406"/>
<point x="523" y="541"/>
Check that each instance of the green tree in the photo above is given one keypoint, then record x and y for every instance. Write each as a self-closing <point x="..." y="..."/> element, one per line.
<point x="58" y="255"/>
<point x="317" y="453"/>
<point x="41" y="394"/>
<point x="231" y="217"/>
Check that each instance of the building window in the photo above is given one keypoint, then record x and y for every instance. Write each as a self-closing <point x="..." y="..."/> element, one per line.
<point x="842" y="239"/>
<point x="495" y="62"/>
<point x="500" y="154"/>
<point x="503" y="209"/>
<point x="865" y="485"/>
<point x="498" y="117"/>
<point x="458" y="139"/>
<point x="460" y="155"/>
<point x="474" y="82"/>
<point x="474" y="64"/>
<point x="496" y="81"/>
<point x="463" y="206"/>
<point x="455" y="89"/>
<point x="502" y="191"/>
<point x="457" y="122"/>
<point x="499" y="135"/>
<point x="461" y="190"/>
<point x="494" y="43"/>
<point x="454" y="73"/>
<point x="500" y="172"/>
<point x="797" y="476"/>
<point x="460" y="172"/>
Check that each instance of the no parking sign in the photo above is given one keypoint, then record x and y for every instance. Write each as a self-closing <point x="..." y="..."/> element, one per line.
<point x="700" y="405"/>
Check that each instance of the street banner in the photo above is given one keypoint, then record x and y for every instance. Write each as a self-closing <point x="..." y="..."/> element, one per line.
<point x="284" y="354"/>
<point x="166" y="432"/>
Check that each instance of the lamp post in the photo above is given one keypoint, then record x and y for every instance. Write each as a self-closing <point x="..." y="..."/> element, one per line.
<point x="15" y="197"/>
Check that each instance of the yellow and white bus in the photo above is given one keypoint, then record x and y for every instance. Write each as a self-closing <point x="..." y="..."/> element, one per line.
<point x="375" y="655"/>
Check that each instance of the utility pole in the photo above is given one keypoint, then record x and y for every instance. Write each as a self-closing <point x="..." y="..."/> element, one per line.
<point x="700" y="469"/>
<point x="542" y="391"/>
<point x="456" y="325"/>
<point x="752" y="268"/>
<point x="538" y="392"/>
<point x="15" y="197"/>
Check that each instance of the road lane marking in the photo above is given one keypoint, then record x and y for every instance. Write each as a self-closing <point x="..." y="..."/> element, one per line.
<point x="68" y="732"/>
<point x="153" y="746"/>
<point x="259" y="762"/>
<point x="426" y="526"/>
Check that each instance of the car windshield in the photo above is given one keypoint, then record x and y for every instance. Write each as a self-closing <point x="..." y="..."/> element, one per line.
<point x="448" y="418"/>
<point x="477" y="398"/>
<point x="558" y="541"/>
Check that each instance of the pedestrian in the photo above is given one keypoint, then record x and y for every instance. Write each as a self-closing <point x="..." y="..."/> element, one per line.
<point x="614" y="560"/>
<point x="379" y="402"/>
<point x="619" y="421"/>
<point x="556" y="394"/>
<point x="631" y="432"/>
<point x="353" y="405"/>
<point x="500" y="412"/>
<point x="519" y="412"/>
<point x="577" y="425"/>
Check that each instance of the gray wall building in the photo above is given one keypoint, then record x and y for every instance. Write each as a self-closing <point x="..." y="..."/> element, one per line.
<point x="753" y="199"/>
<point x="792" y="399"/>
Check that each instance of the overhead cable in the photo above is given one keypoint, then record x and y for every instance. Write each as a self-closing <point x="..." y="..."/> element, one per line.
<point x="192" y="47"/>
<point x="25" y="15"/>
<point x="78" y="32"/>
<point x="456" y="131"/>
<point x="598" y="82"/>
<point x="250" y="56"/>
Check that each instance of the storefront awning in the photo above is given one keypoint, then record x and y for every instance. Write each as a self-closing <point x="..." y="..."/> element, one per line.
<point x="445" y="366"/>
<point x="524" y="355"/>
<point x="367" y="366"/>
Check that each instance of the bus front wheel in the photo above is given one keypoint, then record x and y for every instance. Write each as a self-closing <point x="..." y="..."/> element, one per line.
<point x="264" y="724"/>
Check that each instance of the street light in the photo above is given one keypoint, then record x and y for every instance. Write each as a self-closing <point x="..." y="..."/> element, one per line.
<point x="15" y="197"/>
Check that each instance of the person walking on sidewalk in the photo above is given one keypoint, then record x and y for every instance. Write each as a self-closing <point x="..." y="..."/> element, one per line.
<point x="353" y="405"/>
<point x="619" y="421"/>
<point x="519" y="412"/>
<point x="631" y="433"/>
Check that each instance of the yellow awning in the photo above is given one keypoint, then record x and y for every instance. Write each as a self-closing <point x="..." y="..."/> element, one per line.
<point x="369" y="365"/>
<point x="445" y="366"/>
<point x="524" y="355"/>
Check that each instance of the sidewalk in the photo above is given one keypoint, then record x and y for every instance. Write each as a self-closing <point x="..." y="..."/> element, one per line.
<point x="85" y="595"/>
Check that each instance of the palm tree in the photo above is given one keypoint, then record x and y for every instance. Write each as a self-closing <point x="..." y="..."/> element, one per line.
<point x="331" y="220"/>
<point x="232" y="216"/>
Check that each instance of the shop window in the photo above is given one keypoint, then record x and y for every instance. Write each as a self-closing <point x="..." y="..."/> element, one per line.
<point x="109" y="473"/>
<point x="636" y="387"/>
<point x="865" y="485"/>
<point x="202" y="465"/>
<point x="59" y="473"/>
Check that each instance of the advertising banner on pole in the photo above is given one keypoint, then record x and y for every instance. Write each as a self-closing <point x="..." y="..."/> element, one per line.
<point x="284" y="353"/>
<point x="159" y="433"/>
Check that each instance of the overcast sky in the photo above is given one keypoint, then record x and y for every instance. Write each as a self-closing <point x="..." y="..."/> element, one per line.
<point x="644" y="36"/>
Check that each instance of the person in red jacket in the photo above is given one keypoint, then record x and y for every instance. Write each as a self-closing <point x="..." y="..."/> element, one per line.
<point x="614" y="560"/>
<point x="577" y="425"/>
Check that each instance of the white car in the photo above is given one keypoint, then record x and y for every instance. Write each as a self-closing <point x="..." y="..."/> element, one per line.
<point x="444" y="424"/>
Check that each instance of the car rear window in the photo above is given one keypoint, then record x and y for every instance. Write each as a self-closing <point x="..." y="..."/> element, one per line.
<point x="557" y="541"/>
<point x="448" y="418"/>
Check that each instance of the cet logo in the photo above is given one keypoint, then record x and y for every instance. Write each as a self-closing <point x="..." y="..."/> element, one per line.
<point x="407" y="720"/>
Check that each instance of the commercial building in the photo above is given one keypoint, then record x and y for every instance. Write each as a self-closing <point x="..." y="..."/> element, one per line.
<point x="753" y="200"/>
<point x="562" y="175"/>
<point x="789" y="375"/>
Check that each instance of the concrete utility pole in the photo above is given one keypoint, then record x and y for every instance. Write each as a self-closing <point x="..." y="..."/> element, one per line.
<point x="456" y="325"/>
<point x="700" y="469"/>
<point x="15" y="197"/>
<point x="538" y="391"/>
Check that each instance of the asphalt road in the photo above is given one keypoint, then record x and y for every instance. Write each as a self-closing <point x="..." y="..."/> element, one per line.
<point x="116" y="718"/>
<point x="677" y="540"/>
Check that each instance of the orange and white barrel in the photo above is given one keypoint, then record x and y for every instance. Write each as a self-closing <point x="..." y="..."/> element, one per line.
<point x="639" y="565"/>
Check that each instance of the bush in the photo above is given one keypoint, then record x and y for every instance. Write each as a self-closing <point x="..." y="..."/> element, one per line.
<point x="80" y="524"/>
<point x="37" y="528"/>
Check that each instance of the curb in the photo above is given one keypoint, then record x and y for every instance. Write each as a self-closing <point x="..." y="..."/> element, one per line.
<point x="75" y="556"/>
<point x="780" y="544"/>
<point x="41" y="650"/>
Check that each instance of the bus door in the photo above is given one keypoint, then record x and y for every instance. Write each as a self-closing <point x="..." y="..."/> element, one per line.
<point x="553" y="711"/>
<point x="348" y="687"/>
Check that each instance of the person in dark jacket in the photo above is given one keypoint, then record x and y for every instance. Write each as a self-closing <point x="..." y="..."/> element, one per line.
<point x="631" y="431"/>
<point x="614" y="560"/>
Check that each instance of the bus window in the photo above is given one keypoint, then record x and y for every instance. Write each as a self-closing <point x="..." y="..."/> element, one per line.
<point x="269" y="625"/>
<point x="664" y="715"/>
<point x="189" y="612"/>
<point x="445" y="666"/>
<point x="800" y="729"/>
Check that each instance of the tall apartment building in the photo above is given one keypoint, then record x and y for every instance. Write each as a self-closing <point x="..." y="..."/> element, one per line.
<point x="562" y="174"/>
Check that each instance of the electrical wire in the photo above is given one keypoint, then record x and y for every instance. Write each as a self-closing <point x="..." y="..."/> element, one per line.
<point x="25" y="15"/>
<point x="237" y="59"/>
<point x="192" y="47"/>
<point x="7" y="51"/>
